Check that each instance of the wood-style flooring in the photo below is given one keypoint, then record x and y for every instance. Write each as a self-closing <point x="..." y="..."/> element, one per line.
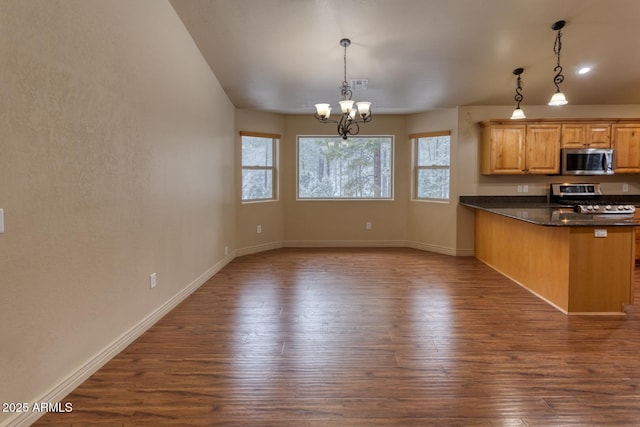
<point x="367" y="337"/>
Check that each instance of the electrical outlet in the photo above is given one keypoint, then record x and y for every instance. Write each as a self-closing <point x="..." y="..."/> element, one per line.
<point x="600" y="232"/>
<point x="259" y="229"/>
<point x="367" y="225"/>
<point x="226" y="250"/>
<point x="152" y="280"/>
<point x="519" y="188"/>
<point x="1" y="220"/>
<point x="525" y="188"/>
<point x="625" y="188"/>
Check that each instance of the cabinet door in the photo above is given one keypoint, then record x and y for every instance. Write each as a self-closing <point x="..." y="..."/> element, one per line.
<point x="598" y="136"/>
<point x="542" y="149"/>
<point x="503" y="149"/>
<point x="626" y="146"/>
<point x="573" y="136"/>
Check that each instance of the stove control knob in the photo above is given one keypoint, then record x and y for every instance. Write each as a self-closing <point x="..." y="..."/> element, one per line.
<point x="596" y="208"/>
<point x="608" y="207"/>
<point x="628" y="208"/>
<point x="620" y="208"/>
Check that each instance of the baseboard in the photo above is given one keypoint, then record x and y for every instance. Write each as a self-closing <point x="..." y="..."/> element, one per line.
<point x="440" y="249"/>
<point x="96" y="362"/>
<point x="344" y="243"/>
<point x="258" y="248"/>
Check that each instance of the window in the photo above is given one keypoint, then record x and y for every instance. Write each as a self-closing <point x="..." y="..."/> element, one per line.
<point x="432" y="162"/>
<point x="258" y="166"/>
<point x="356" y="168"/>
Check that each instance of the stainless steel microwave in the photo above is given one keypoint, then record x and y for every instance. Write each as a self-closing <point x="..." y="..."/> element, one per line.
<point x="587" y="161"/>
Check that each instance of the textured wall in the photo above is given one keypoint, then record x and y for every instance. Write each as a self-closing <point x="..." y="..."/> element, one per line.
<point x="116" y="161"/>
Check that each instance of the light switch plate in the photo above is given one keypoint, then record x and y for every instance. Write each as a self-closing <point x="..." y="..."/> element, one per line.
<point x="1" y="220"/>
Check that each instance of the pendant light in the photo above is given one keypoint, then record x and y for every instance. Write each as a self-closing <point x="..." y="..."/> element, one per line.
<point x="558" y="98"/>
<point x="352" y="114"/>
<point x="518" y="113"/>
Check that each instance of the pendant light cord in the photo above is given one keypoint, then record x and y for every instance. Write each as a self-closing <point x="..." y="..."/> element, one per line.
<point x="557" y="47"/>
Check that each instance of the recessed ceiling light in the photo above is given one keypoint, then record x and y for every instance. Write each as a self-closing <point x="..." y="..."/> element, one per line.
<point x="584" y="70"/>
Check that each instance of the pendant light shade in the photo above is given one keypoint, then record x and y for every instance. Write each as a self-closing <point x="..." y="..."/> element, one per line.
<point x="558" y="98"/>
<point x="518" y="114"/>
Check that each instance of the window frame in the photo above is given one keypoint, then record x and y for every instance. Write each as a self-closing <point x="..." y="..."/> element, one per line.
<point x="339" y="139"/>
<point x="275" y="142"/>
<point x="414" y="138"/>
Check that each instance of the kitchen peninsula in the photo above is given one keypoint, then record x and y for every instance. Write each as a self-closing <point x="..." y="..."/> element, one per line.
<point x="579" y="263"/>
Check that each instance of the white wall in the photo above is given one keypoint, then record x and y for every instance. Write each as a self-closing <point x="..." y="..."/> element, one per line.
<point x="116" y="161"/>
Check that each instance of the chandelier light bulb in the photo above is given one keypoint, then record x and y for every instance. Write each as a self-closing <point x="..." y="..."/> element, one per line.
<point x="323" y="110"/>
<point x="346" y="106"/>
<point x="363" y="108"/>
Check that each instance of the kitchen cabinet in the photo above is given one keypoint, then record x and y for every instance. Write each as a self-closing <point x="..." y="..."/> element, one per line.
<point x="626" y="145"/>
<point x="542" y="149"/>
<point x="581" y="135"/>
<point x="579" y="272"/>
<point x="503" y="149"/>
<point x="518" y="149"/>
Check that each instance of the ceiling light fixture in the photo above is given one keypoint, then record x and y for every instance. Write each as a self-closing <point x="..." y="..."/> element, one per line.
<point x="351" y="116"/>
<point x="518" y="113"/>
<point x="558" y="98"/>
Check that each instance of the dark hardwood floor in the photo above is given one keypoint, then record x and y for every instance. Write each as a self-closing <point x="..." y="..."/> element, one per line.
<point x="367" y="337"/>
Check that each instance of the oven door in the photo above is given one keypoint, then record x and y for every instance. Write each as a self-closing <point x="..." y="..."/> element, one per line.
<point x="587" y="161"/>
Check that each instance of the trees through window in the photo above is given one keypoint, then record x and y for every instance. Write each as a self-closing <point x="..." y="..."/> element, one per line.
<point x="356" y="168"/>
<point x="432" y="161"/>
<point x="258" y="166"/>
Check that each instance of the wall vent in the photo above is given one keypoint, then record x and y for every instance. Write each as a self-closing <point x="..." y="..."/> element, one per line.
<point x="359" y="84"/>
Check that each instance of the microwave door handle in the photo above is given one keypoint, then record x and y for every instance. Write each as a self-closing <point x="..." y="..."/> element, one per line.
<point x="605" y="162"/>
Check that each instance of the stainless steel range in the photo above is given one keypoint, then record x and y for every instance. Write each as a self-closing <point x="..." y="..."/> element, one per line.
<point x="587" y="199"/>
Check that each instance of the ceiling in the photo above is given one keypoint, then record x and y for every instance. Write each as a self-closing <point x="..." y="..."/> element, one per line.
<point x="284" y="55"/>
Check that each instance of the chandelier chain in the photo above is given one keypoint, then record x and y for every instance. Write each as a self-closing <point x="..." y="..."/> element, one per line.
<point x="345" y="90"/>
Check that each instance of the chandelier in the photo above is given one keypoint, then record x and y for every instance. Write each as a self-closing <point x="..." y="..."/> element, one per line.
<point x="352" y="115"/>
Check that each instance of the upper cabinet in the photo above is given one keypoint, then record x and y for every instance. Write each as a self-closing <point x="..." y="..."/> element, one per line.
<point x="518" y="149"/>
<point x="532" y="146"/>
<point x="503" y="149"/>
<point x="626" y="148"/>
<point x="590" y="135"/>
<point x="542" y="149"/>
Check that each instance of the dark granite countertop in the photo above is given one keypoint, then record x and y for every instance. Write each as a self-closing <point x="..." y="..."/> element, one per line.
<point x="537" y="210"/>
